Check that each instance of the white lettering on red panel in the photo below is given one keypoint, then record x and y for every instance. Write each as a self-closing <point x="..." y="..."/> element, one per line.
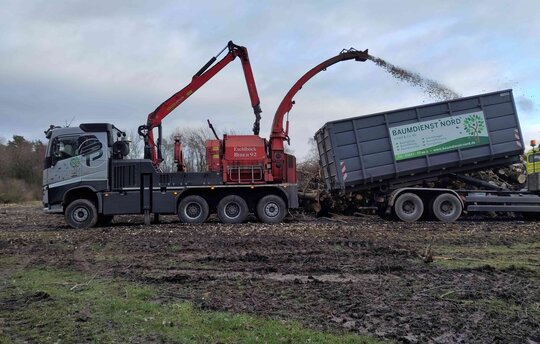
<point x="245" y="152"/>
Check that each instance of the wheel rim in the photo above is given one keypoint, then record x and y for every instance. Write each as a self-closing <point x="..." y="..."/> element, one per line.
<point x="80" y="214"/>
<point x="232" y="210"/>
<point x="447" y="208"/>
<point x="271" y="209"/>
<point x="193" y="210"/>
<point x="408" y="207"/>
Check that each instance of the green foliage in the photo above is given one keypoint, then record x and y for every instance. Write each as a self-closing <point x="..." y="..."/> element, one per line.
<point x="474" y="125"/>
<point x="51" y="306"/>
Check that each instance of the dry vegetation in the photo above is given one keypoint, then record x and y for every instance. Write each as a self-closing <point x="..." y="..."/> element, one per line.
<point x="20" y="170"/>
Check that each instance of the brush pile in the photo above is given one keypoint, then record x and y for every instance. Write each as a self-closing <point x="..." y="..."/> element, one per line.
<point x="315" y="199"/>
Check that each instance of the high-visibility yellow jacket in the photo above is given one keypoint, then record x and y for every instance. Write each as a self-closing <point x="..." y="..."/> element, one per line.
<point x="532" y="160"/>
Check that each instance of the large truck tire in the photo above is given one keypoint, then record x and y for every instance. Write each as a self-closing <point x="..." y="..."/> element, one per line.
<point x="446" y="207"/>
<point x="81" y="213"/>
<point x="193" y="209"/>
<point x="232" y="209"/>
<point x="271" y="209"/>
<point x="409" y="207"/>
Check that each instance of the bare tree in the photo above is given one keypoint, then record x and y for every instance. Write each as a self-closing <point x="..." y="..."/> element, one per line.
<point x="194" y="146"/>
<point x="136" y="147"/>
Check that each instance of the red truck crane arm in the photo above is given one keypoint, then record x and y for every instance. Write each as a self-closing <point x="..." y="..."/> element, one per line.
<point x="152" y="148"/>
<point x="278" y="134"/>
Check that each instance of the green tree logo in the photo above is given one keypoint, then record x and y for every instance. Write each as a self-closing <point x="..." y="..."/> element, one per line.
<point x="75" y="162"/>
<point x="474" y="125"/>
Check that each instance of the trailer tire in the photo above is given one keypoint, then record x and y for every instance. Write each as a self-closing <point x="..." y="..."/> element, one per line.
<point x="409" y="207"/>
<point x="446" y="207"/>
<point x="271" y="209"/>
<point x="232" y="209"/>
<point x="81" y="213"/>
<point x="193" y="209"/>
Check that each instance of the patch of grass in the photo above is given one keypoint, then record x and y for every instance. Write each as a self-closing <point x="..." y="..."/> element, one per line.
<point x="510" y="307"/>
<point x="9" y="261"/>
<point x="514" y="257"/>
<point x="44" y="305"/>
<point x="175" y="248"/>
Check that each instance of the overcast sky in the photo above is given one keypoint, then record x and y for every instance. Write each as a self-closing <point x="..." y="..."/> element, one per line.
<point x="115" y="61"/>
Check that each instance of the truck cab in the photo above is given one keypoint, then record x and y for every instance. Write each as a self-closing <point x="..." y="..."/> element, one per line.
<point x="76" y="163"/>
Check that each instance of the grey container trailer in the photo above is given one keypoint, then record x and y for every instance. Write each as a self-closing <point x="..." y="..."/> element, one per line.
<point x="417" y="143"/>
<point x="392" y="153"/>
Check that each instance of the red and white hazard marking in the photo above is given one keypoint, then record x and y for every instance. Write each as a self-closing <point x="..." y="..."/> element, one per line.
<point x="518" y="138"/>
<point x="343" y="170"/>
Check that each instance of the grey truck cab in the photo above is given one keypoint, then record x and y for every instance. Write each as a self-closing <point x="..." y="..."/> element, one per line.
<point x="76" y="170"/>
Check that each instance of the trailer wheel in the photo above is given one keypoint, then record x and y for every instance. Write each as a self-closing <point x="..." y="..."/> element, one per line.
<point x="193" y="209"/>
<point x="409" y="207"/>
<point x="232" y="209"/>
<point x="271" y="209"/>
<point x="446" y="207"/>
<point x="81" y="213"/>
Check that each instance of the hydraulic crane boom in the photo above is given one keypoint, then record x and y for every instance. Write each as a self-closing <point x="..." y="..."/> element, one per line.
<point x="152" y="148"/>
<point x="279" y="134"/>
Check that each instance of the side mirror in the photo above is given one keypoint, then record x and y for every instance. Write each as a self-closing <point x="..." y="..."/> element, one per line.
<point x="53" y="159"/>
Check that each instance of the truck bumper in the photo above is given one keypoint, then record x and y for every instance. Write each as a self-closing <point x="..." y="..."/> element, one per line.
<point x="53" y="209"/>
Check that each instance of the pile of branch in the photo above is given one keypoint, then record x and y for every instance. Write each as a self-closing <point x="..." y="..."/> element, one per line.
<point x="314" y="198"/>
<point x="512" y="177"/>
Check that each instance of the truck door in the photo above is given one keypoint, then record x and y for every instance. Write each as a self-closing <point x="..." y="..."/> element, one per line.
<point x="75" y="158"/>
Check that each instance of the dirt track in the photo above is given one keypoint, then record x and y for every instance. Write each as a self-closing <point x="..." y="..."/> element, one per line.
<point x="357" y="274"/>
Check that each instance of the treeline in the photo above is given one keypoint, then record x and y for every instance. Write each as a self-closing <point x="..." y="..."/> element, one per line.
<point x="21" y="166"/>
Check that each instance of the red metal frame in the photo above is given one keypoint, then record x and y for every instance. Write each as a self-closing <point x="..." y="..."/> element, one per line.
<point x="155" y="118"/>
<point x="278" y="134"/>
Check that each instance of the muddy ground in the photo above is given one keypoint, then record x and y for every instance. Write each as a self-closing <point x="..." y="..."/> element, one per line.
<point x="470" y="281"/>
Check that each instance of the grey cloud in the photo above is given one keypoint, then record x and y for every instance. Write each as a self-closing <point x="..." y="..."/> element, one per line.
<point x="116" y="61"/>
<point x="525" y="104"/>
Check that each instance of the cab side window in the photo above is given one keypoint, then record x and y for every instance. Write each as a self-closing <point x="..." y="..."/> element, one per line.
<point x="64" y="148"/>
<point x="534" y="157"/>
<point x="88" y="144"/>
<point x="68" y="147"/>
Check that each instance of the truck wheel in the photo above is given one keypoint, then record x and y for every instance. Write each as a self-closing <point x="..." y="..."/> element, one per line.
<point x="409" y="207"/>
<point x="271" y="209"/>
<point x="232" y="209"/>
<point x="193" y="209"/>
<point x="104" y="220"/>
<point x="81" y="213"/>
<point x="446" y="207"/>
